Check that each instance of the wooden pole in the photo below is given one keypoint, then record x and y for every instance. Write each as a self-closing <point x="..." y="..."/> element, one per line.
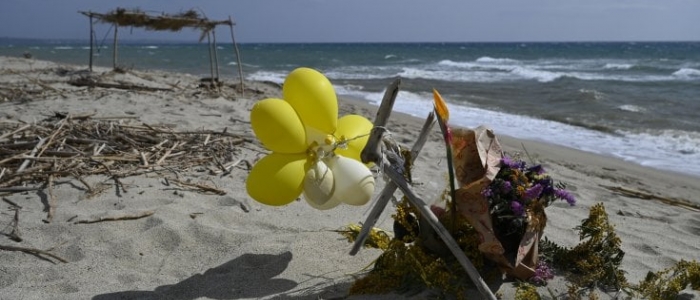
<point x="238" y="54"/>
<point x="92" y="42"/>
<point x="216" y="56"/>
<point x="211" y="61"/>
<point x="114" y="51"/>
<point x="390" y="188"/>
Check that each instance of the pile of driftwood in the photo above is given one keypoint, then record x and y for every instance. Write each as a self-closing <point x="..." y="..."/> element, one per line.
<point x="32" y="156"/>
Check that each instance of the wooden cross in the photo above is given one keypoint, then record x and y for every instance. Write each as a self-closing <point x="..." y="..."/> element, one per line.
<point x="373" y="153"/>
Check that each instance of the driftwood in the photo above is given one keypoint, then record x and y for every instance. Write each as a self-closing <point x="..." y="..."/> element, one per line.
<point x="135" y="216"/>
<point x="33" y="251"/>
<point x="85" y="82"/>
<point x="648" y="196"/>
<point x="198" y="186"/>
<point x="390" y="186"/>
<point x="373" y="153"/>
<point x="33" y="156"/>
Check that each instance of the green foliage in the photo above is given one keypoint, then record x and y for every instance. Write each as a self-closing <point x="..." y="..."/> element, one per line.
<point x="666" y="284"/>
<point x="526" y="291"/>
<point x="377" y="238"/>
<point x="413" y="265"/>
<point x="596" y="260"/>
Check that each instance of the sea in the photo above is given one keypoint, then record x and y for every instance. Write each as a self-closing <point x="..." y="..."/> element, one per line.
<point x="638" y="101"/>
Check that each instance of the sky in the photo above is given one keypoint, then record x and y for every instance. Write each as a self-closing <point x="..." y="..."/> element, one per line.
<point x="275" y="21"/>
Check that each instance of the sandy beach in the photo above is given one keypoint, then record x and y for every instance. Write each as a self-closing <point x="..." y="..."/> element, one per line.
<point x="194" y="243"/>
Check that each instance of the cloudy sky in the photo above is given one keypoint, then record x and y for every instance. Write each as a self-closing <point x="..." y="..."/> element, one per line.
<point x="380" y="20"/>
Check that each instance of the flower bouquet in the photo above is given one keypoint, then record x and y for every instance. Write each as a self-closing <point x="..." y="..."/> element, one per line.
<point x="517" y="198"/>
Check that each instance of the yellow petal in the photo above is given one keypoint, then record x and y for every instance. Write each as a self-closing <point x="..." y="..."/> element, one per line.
<point x="278" y="126"/>
<point x="440" y="106"/>
<point x="277" y="179"/>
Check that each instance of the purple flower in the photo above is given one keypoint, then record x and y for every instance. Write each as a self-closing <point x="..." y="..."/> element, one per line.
<point x="538" y="169"/>
<point x="517" y="208"/>
<point x="487" y="192"/>
<point x="565" y="195"/>
<point x="533" y="192"/>
<point x="506" y="187"/>
<point x="542" y="273"/>
<point x="510" y="163"/>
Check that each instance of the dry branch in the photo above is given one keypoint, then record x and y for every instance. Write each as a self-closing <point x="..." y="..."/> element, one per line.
<point x="200" y="186"/>
<point x="648" y="196"/>
<point x="33" y="251"/>
<point x="117" y="149"/>
<point x="135" y="216"/>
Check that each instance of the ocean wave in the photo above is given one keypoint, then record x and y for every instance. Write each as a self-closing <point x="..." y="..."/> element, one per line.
<point x="388" y="56"/>
<point x="476" y="66"/>
<point x="63" y="47"/>
<point x="491" y="60"/>
<point x="539" y="75"/>
<point x="276" y="77"/>
<point x="149" y="47"/>
<point x="453" y="76"/>
<point x="613" y="66"/>
<point x="596" y="95"/>
<point x="687" y="73"/>
<point x="631" y="108"/>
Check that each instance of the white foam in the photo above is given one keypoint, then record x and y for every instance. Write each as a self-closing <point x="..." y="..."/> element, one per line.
<point x="277" y="77"/>
<point x="614" y="66"/>
<point x="631" y="108"/>
<point x="687" y="73"/>
<point x="486" y="59"/>
<point x="539" y="75"/>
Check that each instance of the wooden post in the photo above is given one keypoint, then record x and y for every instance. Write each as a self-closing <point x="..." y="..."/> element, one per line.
<point x="114" y="51"/>
<point x="238" y="55"/>
<point x="216" y="56"/>
<point x="211" y="59"/>
<point x="390" y="188"/>
<point x="92" y="42"/>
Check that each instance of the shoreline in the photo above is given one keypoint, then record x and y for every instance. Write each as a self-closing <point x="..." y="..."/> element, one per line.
<point x="203" y="245"/>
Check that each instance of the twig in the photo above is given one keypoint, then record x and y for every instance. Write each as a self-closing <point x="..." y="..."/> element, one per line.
<point x="89" y="188"/>
<point x="167" y="152"/>
<point x="10" y="202"/>
<point x="36" y="149"/>
<point x="33" y="251"/>
<point x="135" y="216"/>
<point x="17" y="189"/>
<point x="15" y="131"/>
<point x="14" y="234"/>
<point x="52" y="200"/>
<point x="200" y="186"/>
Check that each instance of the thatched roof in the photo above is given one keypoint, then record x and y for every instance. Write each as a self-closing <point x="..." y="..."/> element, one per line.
<point x="172" y="22"/>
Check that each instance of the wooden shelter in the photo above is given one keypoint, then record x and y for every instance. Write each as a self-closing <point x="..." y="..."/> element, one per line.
<point x="170" y="22"/>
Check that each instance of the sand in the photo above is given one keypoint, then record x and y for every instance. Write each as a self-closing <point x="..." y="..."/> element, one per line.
<point x="205" y="246"/>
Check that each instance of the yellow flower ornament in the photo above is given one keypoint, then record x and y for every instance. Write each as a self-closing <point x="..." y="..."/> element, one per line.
<point x="313" y="151"/>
